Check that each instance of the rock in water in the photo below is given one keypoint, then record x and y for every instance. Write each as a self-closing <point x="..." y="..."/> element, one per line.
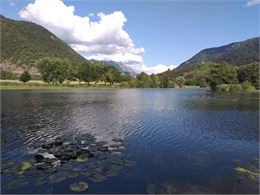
<point x="38" y="158"/>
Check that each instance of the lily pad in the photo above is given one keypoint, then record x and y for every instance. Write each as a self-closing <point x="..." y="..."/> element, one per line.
<point x="8" y="163"/>
<point x="40" y="183"/>
<point x="9" y="171"/>
<point x="242" y="170"/>
<point x="17" y="183"/>
<point x="130" y="163"/>
<point x="58" y="177"/>
<point x="81" y="159"/>
<point x="97" y="178"/>
<point x="85" y="173"/>
<point x="112" y="173"/>
<point x="237" y="160"/>
<point x="79" y="187"/>
<point x="255" y="162"/>
<point x="24" y="166"/>
<point x="73" y="174"/>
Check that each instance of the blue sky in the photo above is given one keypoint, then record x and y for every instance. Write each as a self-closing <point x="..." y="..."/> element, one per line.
<point x="170" y="31"/>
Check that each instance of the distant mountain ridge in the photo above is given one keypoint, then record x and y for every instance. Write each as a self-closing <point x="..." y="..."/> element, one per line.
<point x="238" y="53"/>
<point x="120" y="66"/>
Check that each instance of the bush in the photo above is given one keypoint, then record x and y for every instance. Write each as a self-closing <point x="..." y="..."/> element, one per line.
<point x="235" y="87"/>
<point x="247" y="86"/>
<point x="180" y="81"/>
<point x="25" y="77"/>
<point x="229" y="88"/>
<point x="202" y="83"/>
<point x="249" y="73"/>
<point x="172" y="84"/>
<point x="7" y="75"/>
<point x="124" y="84"/>
<point x="222" y="74"/>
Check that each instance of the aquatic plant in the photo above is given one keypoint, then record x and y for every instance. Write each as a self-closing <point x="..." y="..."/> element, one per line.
<point x="24" y="166"/>
<point x="79" y="187"/>
<point x="68" y="157"/>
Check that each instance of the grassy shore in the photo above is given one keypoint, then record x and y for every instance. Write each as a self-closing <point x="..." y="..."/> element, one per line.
<point x="37" y="84"/>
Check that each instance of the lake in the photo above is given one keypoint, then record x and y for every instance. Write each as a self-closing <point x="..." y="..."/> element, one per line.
<point x="169" y="141"/>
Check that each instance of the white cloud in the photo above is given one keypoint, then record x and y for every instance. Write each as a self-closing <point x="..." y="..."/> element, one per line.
<point x="251" y="3"/>
<point x="158" y="68"/>
<point x="102" y="39"/>
<point x="11" y="3"/>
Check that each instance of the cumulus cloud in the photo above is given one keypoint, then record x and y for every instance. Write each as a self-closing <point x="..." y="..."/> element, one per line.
<point x="158" y="68"/>
<point x="251" y="3"/>
<point x="102" y="39"/>
<point x="11" y="3"/>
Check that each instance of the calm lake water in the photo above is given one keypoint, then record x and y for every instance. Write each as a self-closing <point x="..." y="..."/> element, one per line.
<point x="180" y="140"/>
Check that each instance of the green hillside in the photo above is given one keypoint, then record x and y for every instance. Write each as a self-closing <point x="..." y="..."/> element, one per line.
<point x="239" y="53"/>
<point x="24" y="43"/>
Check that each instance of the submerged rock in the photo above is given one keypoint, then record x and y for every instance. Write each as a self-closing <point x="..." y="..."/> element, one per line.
<point x="68" y="157"/>
<point x="38" y="158"/>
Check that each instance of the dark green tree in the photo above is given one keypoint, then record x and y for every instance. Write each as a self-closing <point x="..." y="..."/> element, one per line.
<point x="249" y="73"/>
<point x="180" y="81"/>
<point x="154" y="80"/>
<point x="53" y="70"/>
<point x="7" y="75"/>
<point x="222" y="73"/>
<point x="25" y="77"/>
<point x="163" y="81"/>
<point x="86" y="72"/>
<point x="112" y="75"/>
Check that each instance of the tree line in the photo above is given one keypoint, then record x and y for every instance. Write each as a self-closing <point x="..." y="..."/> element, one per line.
<point x="56" y="71"/>
<point x="218" y="76"/>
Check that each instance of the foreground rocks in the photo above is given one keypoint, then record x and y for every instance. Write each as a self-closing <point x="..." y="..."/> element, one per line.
<point x="69" y="158"/>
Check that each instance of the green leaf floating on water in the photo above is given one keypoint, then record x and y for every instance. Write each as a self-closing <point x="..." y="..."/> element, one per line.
<point x="81" y="159"/>
<point x="58" y="177"/>
<point x="130" y="163"/>
<point x="24" y="166"/>
<point x="79" y="187"/>
<point x="97" y="178"/>
<point x="242" y="170"/>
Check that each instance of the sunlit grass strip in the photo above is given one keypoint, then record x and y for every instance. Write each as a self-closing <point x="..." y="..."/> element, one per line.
<point x="41" y="82"/>
<point x="54" y="87"/>
<point x="37" y="84"/>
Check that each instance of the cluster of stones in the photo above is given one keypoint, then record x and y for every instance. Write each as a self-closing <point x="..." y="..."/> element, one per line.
<point x="68" y="158"/>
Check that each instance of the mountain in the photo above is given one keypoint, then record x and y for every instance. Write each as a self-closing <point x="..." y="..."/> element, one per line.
<point x="238" y="53"/>
<point x="122" y="67"/>
<point x="24" y="43"/>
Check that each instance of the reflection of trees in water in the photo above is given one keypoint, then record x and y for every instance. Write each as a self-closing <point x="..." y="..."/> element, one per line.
<point x="227" y="101"/>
